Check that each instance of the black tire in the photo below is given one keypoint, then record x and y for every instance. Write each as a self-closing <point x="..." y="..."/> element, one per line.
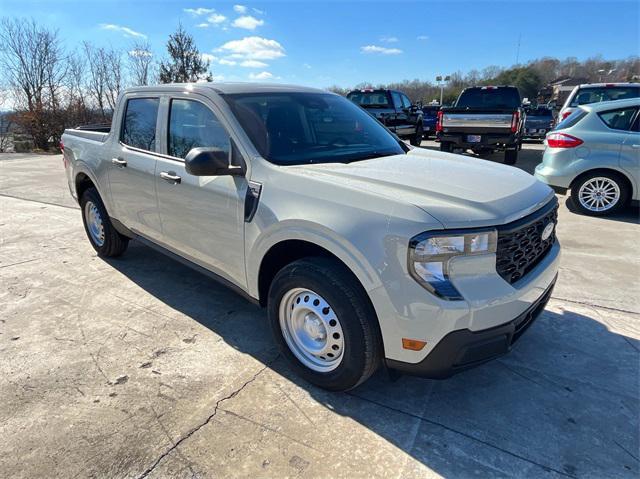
<point x="446" y="146"/>
<point x="616" y="178"/>
<point x="416" y="139"/>
<point x="114" y="244"/>
<point x="511" y="156"/>
<point x="362" y="343"/>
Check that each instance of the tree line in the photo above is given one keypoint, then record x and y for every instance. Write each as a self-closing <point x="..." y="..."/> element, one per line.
<point x="52" y="88"/>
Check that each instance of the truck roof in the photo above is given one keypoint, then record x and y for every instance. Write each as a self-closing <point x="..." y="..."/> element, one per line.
<point x="226" y="88"/>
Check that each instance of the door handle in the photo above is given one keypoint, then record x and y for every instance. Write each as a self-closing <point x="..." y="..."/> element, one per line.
<point x="165" y="175"/>
<point x="119" y="162"/>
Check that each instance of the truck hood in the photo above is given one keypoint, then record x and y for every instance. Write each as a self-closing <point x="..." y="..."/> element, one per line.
<point x="459" y="191"/>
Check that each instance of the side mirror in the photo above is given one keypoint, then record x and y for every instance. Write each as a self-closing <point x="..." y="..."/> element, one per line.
<point x="210" y="162"/>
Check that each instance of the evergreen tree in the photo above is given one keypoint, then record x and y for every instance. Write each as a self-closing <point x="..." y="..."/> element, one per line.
<point x="185" y="64"/>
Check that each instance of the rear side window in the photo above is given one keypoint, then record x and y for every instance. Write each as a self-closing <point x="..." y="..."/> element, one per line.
<point x="193" y="125"/>
<point x="618" y="119"/>
<point x="397" y="99"/>
<point x="572" y="119"/>
<point x="587" y="95"/>
<point x="139" y="126"/>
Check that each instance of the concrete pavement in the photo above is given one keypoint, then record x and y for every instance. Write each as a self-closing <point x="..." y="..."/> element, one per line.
<point x="140" y="367"/>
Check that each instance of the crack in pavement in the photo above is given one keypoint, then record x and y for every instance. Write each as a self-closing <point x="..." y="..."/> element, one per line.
<point x="584" y="303"/>
<point x="207" y="421"/>
<point x="464" y="434"/>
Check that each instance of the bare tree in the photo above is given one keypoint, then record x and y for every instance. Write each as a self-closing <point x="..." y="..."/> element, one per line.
<point x="105" y="78"/>
<point x="141" y="65"/>
<point x="32" y="63"/>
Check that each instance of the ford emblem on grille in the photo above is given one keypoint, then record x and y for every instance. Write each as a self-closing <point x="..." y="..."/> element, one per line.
<point x="547" y="231"/>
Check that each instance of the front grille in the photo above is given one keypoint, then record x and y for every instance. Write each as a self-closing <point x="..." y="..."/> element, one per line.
<point x="520" y="244"/>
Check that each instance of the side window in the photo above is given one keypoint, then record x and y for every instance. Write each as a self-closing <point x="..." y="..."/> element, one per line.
<point x="139" y="126"/>
<point x="397" y="100"/>
<point x="192" y="125"/>
<point x="636" y="125"/>
<point x="406" y="103"/>
<point x="618" y="119"/>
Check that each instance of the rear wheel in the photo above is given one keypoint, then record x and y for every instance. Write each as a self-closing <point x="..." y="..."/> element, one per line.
<point x="102" y="235"/>
<point x="599" y="193"/>
<point x="446" y="146"/>
<point x="324" y="323"/>
<point x="511" y="156"/>
<point x="416" y="140"/>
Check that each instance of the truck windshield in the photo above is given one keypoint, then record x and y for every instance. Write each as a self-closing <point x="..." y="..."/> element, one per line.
<point x="370" y="99"/>
<point x="291" y="128"/>
<point x="604" y="93"/>
<point x="489" y="98"/>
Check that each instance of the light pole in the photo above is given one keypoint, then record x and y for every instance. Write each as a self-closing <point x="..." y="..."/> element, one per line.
<point x="439" y="79"/>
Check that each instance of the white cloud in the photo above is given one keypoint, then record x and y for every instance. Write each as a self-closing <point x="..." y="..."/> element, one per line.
<point x="380" y="50"/>
<point x="196" y="12"/>
<point x="307" y="66"/>
<point x="259" y="12"/>
<point x="216" y="18"/>
<point x="389" y="39"/>
<point x="202" y="25"/>
<point x="248" y="22"/>
<point x="224" y="61"/>
<point x="261" y="76"/>
<point x="208" y="57"/>
<point x="253" y="64"/>
<point x="140" y="53"/>
<point x="240" y="9"/>
<point x="254" y="48"/>
<point x="422" y="37"/>
<point x="128" y="32"/>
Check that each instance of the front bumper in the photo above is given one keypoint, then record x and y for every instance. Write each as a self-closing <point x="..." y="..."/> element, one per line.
<point x="464" y="349"/>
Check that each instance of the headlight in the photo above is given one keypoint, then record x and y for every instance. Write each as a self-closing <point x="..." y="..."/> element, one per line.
<point x="429" y="255"/>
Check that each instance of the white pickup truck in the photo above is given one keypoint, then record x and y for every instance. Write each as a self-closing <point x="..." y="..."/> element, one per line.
<point x="365" y="251"/>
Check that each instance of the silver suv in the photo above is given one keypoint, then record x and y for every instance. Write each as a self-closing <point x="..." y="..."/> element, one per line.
<point x="595" y="152"/>
<point x="364" y="250"/>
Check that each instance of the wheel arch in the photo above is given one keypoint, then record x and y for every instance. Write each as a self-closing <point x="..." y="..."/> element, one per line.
<point x="605" y="170"/>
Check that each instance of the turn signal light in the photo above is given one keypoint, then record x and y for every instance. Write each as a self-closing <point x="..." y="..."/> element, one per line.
<point x="515" y="119"/>
<point x="562" y="140"/>
<point x="413" y="344"/>
<point x="439" y="121"/>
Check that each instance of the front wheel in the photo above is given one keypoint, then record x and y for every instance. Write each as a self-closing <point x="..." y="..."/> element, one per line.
<point x="416" y="139"/>
<point x="599" y="193"/>
<point x="324" y="324"/>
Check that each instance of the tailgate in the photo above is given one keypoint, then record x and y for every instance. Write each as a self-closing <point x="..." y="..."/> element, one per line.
<point x="498" y="121"/>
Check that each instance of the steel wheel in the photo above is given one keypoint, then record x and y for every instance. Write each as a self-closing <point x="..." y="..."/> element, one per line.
<point x="311" y="329"/>
<point x="94" y="223"/>
<point x="599" y="194"/>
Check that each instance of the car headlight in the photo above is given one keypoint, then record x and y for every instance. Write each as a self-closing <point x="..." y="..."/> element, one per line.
<point x="430" y="252"/>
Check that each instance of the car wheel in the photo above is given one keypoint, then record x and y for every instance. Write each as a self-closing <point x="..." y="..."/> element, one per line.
<point x="511" y="156"/>
<point x="324" y="324"/>
<point x="599" y="193"/>
<point x="416" y="140"/>
<point x="446" y="146"/>
<point x="102" y="235"/>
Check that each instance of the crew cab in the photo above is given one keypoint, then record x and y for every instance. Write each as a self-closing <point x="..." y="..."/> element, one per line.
<point x="483" y="119"/>
<point x="365" y="251"/>
<point x="394" y="110"/>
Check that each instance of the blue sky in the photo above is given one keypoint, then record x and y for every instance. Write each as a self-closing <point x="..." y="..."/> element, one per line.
<point x="344" y="43"/>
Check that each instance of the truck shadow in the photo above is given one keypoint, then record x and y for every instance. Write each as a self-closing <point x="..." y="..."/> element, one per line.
<point x="564" y="402"/>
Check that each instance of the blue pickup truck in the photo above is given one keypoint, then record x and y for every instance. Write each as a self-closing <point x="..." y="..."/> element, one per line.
<point x="537" y="123"/>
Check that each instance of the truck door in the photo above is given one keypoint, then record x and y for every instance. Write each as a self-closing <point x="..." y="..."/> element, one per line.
<point x="132" y="167"/>
<point x="202" y="216"/>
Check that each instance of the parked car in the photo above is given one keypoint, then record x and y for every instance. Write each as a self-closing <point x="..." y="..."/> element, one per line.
<point x="597" y="92"/>
<point x="595" y="152"/>
<point x="394" y="110"/>
<point x="429" y="119"/>
<point x="484" y="119"/>
<point x="364" y="250"/>
<point x="538" y="121"/>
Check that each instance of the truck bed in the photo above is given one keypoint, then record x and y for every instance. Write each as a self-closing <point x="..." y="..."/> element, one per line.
<point x="95" y="132"/>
